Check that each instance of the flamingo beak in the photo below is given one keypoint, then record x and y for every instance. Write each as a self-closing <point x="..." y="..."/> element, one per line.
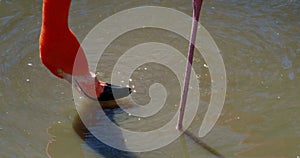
<point x="108" y="91"/>
<point x="112" y="92"/>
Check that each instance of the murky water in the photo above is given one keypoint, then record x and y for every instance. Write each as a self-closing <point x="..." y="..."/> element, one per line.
<point x="260" y="45"/>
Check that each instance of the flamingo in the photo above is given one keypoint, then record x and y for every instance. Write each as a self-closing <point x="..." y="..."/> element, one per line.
<point x="59" y="48"/>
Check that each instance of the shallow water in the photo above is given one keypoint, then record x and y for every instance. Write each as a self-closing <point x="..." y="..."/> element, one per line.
<point x="259" y="42"/>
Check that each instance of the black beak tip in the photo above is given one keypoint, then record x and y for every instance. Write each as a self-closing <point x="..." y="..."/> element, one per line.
<point x="130" y="90"/>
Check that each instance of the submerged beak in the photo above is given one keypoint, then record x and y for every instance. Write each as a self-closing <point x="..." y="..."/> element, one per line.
<point x="112" y="92"/>
<point x="96" y="90"/>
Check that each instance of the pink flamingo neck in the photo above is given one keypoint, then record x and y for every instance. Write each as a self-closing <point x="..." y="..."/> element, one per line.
<point x="55" y="15"/>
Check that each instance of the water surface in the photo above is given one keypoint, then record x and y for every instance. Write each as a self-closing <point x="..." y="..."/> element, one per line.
<point x="259" y="42"/>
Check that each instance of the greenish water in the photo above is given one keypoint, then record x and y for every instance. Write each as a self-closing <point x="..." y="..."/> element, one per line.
<point x="259" y="42"/>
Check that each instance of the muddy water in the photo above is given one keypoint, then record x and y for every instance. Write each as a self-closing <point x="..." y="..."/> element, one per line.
<point x="259" y="41"/>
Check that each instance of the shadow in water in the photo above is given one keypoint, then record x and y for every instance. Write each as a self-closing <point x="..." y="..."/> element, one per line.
<point x="97" y="145"/>
<point x="203" y="144"/>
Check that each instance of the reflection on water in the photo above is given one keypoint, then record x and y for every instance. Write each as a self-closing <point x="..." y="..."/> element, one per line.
<point x="64" y="144"/>
<point x="259" y="41"/>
